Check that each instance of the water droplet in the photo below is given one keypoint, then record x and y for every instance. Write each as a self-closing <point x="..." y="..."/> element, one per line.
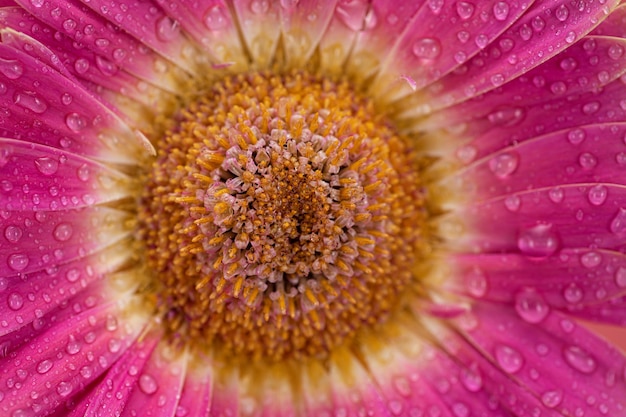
<point x="591" y="259"/>
<point x="512" y="203"/>
<point x="262" y="6"/>
<point x="147" y="384"/>
<point x="538" y="241"/>
<point x="466" y="153"/>
<point x="476" y="282"/>
<point x="587" y="160"/>
<point x="556" y="195"/>
<point x="618" y="224"/>
<point x="620" y="277"/>
<point x="31" y="102"/>
<point x="501" y="10"/>
<point x="465" y="9"/>
<point x="503" y="165"/>
<point x="616" y="51"/>
<point x="460" y="410"/>
<point x="167" y="29"/>
<point x="12" y="233"/>
<point x="576" y="136"/>
<point x="531" y="306"/>
<point x="509" y="359"/>
<point x="591" y="107"/>
<point x="597" y="194"/>
<point x="215" y="18"/>
<point x="47" y="165"/>
<point x="64" y="389"/>
<point x="83" y="172"/>
<point x="81" y="65"/>
<point x="427" y="48"/>
<point x="572" y="293"/>
<point x="471" y="380"/>
<point x="63" y="232"/>
<point x="562" y="13"/>
<point x="75" y="122"/>
<point x="15" y="301"/>
<point x="402" y="385"/>
<point x="10" y="68"/>
<point x="44" y="366"/>
<point x="18" y="261"/>
<point x="579" y="359"/>
<point x="552" y="398"/>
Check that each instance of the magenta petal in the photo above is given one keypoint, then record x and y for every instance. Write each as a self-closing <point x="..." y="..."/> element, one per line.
<point x="530" y="41"/>
<point x="37" y="177"/>
<point x="62" y="115"/>
<point x="614" y="25"/>
<point x="122" y="378"/>
<point x="261" y="34"/>
<point x="40" y="240"/>
<point x="588" y="284"/>
<point x="424" y="52"/>
<point x="197" y="393"/>
<point x="59" y="363"/>
<point x="592" y="154"/>
<point x="569" y="369"/>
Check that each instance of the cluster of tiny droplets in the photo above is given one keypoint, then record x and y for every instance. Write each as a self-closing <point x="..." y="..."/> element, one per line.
<point x="281" y="216"/>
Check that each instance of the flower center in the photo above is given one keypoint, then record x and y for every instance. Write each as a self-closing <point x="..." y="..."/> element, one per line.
<point x="281" y="217"/>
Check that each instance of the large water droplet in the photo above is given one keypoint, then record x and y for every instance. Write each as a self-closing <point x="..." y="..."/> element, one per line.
<point x="215" y="18"/>
<point x="597" y="194"/>
<point x="147" y="384"/>
<point x="465" y="9"/>
<point x="15" y="301"/>
<point x="531" y="306"/>
<point x="471" y="380"/>
<point x="10" y="68"/>
<point x="12" y="233"/>
<point x="591" y="259"/>
<point x="538" y="241"/>
<point x="18" y="261"/>
<point x="509" y="359"/>
<point x="44" y="366"/>
<point x="63" y="232"/>
<point x="31" y="102"/>
<point x="427" y="48"/>
<point x="620" y="277"/>
<point x="476" y="282"/>
<point x="562" y="13"/>
<point x="167" y="29"/>
<point x="552" y="398"/>
<point x="503" y="165"/>
<point x="579" y="359"/>
<point x="501" y="10"/>
<point x="64" y="389"/>
<point x="47" y="165"/>
<point x="573" y="293"/>
<point x="618" y="224"/>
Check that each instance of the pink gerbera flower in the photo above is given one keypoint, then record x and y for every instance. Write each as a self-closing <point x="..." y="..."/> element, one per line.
<point x="312" y="208"/>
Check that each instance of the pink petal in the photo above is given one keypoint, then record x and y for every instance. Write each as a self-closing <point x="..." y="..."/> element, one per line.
<point x="213" y="26"/>
<point x="37" y="177"/>
<point x="160" y="384"/>
<point x="196" y="397"/>
<point x="111" y="49"/>
<point x="36" y="241"/>
<point x="543" y="31"/>
<point x="62" y="115"/>
<point x="27" y="298"/>
<point x="566" y="367"/>
<point x="588" y="284"/>
<point x="303" y="24"/>
<point x="57" y="364"/>
<point x="614" y="25"/>
<point x="425" y="52"/>
<point x="592" y="154"/>
<point x="349" y="19"/>
<point x="261" y="28"/>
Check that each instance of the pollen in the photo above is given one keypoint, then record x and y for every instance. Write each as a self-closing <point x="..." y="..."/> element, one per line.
<point x="283" y="215"/>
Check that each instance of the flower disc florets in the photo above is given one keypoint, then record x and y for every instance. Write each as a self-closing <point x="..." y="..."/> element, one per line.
<point x="281" y="217"/>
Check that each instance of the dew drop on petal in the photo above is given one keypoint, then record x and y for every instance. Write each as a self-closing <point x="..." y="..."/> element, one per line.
<point x="556" y="195"/>
<point x="147" y="384"/>
<point x="465" y="9"/>
<point x="576" y="136"/>
<point x="47" y="165"/>
<point x="18" y="261"/>
<point x="590" y="259"/>
<point x="263" y="6"/>
<point x="501" y="10"/>
<point x="471" y="380"/>
<point x="167" y="29"/>
<point x="618" y="224"/>
<point x="503" y="165"/>
<point x="552" y="399"/>
<point x="531" y="306"/>
<point x="63" y="232"/>
<point x="597" y="195"/>
<point x="31" y="102"/>
<point x="573" y="293"/>
<point x="12" y="233"/>
<point x="10" y="68"/>
<point x="579" y="359"/>
<point x="81" y="65"/>
<point x="620" y="277"/>
<point x="215" y="18"/>
<point x="476" y="282"/>
<point x="75" y="122"/>
<point x="15" y="301"/>
<point x="587" y="160"/>
<point x="427" y="48"/>
<point x="64" y="389"/>
<point x="44" y="366"/>
<point x="460" y="410"/>
<point x="540" y="240"/>
<point x="509" y="359"/>
<point x="562" y="13"/>
<point x="512" y="203"/>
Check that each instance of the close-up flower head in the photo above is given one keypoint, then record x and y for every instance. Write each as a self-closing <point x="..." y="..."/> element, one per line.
<point x="301" y="208"/>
